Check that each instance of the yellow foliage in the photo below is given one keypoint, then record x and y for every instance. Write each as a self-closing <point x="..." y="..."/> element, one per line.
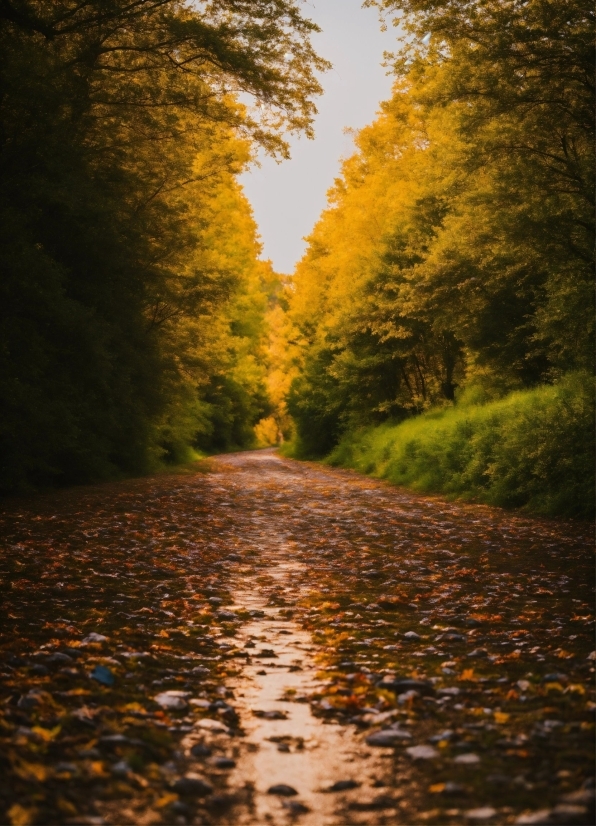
<point x="22" y="815"/>
<point x="32" y="771"/>
<point x="166" y="800"/>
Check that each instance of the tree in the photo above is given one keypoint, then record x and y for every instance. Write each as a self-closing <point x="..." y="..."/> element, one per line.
<point x="457" y="245"/>
<point x="122" y="129"/>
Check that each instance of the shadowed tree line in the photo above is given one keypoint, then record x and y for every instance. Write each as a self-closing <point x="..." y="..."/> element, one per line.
<point x="133" y="304"/>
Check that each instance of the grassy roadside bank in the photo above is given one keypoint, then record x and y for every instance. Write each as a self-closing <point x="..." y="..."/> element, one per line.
<point x="533" y="449"/>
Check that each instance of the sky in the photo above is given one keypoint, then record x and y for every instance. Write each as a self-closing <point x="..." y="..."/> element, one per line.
<point x="288" y="198"/>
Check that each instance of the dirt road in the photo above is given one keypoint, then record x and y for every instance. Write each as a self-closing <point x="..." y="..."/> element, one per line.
<point x="274" y="642"/>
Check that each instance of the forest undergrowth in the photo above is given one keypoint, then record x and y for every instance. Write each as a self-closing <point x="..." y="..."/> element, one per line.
<point x="533" y="449"/>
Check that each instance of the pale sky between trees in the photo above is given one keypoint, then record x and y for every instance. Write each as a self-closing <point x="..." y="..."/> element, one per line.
<point x="287" y="198"/>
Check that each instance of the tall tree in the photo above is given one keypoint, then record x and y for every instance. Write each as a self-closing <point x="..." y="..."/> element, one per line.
<point x="121" y="130"/>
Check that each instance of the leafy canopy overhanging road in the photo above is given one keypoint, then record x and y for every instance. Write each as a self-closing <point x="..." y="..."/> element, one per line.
<point x="453" y="641"/>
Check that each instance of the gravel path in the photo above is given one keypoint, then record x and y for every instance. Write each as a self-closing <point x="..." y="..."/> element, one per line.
<point x="273" y="642"/>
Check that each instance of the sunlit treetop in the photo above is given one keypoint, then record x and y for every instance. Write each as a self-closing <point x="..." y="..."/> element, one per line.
<point x="172" y="53"/>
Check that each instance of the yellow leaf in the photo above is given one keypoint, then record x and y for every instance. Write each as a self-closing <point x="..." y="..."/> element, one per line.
<point x="575" y="688"/>
<point x="32" y="771"/>
<point x="97" y="769"/>
<point x="47" y="734"/>
<point x="65" y="806"/>
<point x="467" y="674"/>
<point x="132" y="707"/>
<point x="436" y="788"/>
<point x="501" y="717"/>
<point x="22" y="816"/>
<point x="166" y="800"/>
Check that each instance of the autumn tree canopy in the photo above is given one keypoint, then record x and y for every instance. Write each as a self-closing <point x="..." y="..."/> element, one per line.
<point x="128" y="250"/>
<point x="457" y="246"/>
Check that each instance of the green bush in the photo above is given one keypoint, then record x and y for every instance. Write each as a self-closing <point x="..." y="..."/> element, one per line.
<point x="534" y="449"/>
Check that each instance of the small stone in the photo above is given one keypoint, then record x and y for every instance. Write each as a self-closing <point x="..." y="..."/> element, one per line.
<point x="539" y="818"/>
<point x="219" y="802"/>
<point x="444" y="735"/>
<point x="114" y="740"/>
<point x="234" y="557"/>
<point x="566" y="813"/>
<point x="212" y="725"/>
<point x="103" y="675"/>
<point x="200" y="703"/>
<point x="581" y="797"/>
<point x="172" y="700"/>
<point x="39" y="670"/>
<point x="89" y="754"/>
<point x="412" y="636"/>
<point x="266" y="652"/>
<point x="480" y="815"/>
<point x="192" y="785"/>
<point x="282" y="790"/>
<point x="30" y="700"/>
<point x="452" y="788"/>
<point x="271" y="715"/>
<point x="295" y="807"/>
<point x="407" y="697"/>
<point x="180" y="808"/>
<point x="94" y="637"/>
<point x="58" y="658"/>
<point x="343" y="785"/>
<point x="224" y="763"/>
<point x="388" y="737"/>
<point x="468" y="759"/>
<point x="555" y="678"/>
<point x="401" y="686"/>
<point x="478" y="653"/>
<point x="121" y="769"/>
<point x="200" y="671"/>
<point x="498" y="779"/>
<point x="227" y="616"/>
<point x="422" y="753"/>
<point x="200" y="750"/>
<point x="65" y="769"/>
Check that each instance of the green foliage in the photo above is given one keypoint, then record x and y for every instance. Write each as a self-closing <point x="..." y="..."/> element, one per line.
<point x="533" y="449"/>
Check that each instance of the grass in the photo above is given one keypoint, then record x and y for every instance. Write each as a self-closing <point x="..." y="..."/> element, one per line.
<point x="533" y="449"/>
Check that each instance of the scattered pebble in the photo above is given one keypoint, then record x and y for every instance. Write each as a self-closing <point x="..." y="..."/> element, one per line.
<point x="282" y="790"/>
<point x="422" y="753"/>
<point x="467" y="759"/>
<point x="343" y="785"/>
<point x="480" y="815"/>
<point x="192" y="785"/>
<point x="388" y="737"/>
